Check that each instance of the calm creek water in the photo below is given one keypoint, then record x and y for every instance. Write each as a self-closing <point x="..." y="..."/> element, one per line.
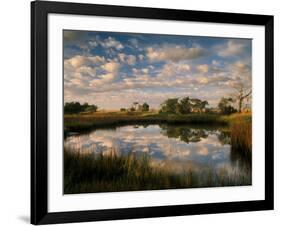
<point x="178" y="148"/>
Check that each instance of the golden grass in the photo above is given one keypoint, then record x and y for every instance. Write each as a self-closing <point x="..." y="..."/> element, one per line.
<point x="79" y="123"/>
<point x="241" y="135"/>
<point x="111" y="173"/>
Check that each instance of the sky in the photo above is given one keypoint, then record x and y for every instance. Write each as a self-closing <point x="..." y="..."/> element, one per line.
<point x="112" y="70"/>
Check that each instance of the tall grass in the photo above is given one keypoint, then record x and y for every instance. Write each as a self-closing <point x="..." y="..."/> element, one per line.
<point x="97" y="173"/>
<point x="241" y="137"/>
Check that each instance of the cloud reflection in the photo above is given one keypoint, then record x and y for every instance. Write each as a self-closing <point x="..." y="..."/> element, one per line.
<point x="153" y="140"/>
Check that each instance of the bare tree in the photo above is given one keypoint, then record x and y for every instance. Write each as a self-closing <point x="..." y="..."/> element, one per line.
<point x="241" y="94"/>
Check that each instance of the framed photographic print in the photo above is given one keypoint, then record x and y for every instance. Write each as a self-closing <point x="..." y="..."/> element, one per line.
<point x="145" y="112"/>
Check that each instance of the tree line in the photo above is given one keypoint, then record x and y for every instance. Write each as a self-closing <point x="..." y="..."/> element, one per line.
<point x="188" y="105"/>
<point x="136" y="106"/>
<point x="76" y="107"/>
<point x="183" y="105"/>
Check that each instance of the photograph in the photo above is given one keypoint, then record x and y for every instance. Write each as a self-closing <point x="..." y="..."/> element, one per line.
<point x="155" y="111"/>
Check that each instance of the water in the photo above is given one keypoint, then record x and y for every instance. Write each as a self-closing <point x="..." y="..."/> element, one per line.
<point x="178" y="148"/>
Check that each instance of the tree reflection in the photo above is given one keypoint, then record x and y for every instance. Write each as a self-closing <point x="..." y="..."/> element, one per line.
<point x="184" y="133"/>
<point x="188" y="135"/>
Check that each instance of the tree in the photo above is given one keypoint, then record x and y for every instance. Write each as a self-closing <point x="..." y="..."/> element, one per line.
<point x="145" y="107"/>
<point x="72" y="108"/>
<point x="91" y="108"/>
<point x="241" y="95"/>
<point x="123" y="109"/>
<point x="198" y="104"/>
<point x="85" y="105"/>
<point x="169" y="105"/>
<point x="76" y="107"/>
<point x="204" y="104"/>
<point x="184" y="106"/>
<point x="225" y="106"/>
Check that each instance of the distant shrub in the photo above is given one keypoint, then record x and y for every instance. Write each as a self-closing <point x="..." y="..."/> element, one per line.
<point x="76" y="107"/>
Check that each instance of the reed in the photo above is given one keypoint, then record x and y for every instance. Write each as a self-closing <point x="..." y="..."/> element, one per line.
<point x="241" y="137"/>
<point x="87" y="173"/>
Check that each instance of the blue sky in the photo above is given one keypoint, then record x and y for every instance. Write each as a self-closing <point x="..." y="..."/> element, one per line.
<point x="113" y="70"/>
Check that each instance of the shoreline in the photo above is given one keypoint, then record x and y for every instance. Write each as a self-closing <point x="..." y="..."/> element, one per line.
<point x="83" y="123"/>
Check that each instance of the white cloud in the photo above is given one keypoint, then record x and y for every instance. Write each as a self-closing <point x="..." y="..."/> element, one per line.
<point x="174" y="69"/>
<point x="145" y="70"/>
<point x="174" y="54"/>
<point x="108" y="77"/>
<point x="78" y="60"/>
<point x="216" y="63"/>
<point x="141" y="57"/>
<point x="112" y="67"/>
<point x="96" y="59"/>
<point x="112" y="43"/>
<point x="241" y="72"/>
<point x="231" y="48"/>
<point x="128" y="59"/>
<point x="86" y="70"/>
<point x="84" y="79"/>
<point x="131" y="60"/>
<point x="202" y="68"/>
<point x="122" y="57"/>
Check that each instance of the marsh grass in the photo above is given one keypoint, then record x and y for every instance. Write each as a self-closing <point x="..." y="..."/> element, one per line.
<point x="241" y="134"/>
<point x="87" y="173"/>
<point x="80" y="123"/>
<point x="241" y="140"/>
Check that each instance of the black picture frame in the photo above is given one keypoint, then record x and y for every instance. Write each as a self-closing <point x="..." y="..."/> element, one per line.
<point x="39" y="112"/>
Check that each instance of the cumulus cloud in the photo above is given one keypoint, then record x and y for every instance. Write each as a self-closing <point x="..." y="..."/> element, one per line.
<point x="78" y="60"/>
<point x="231" y="48"/>
<point x="241" y="73"/>
<point x="122" y="57"/>
<point x="174" y="69"/>
<point x="241" y="67"/>
<point x="203" y="68"/>
<point x="216" y="63"/>
<point x="145" y="70"/>
<point x="131" y="60"/>
<point x="128" y="59"/>
<point x="85" y="80"/>
<point x="152" y="71"/>
<point x="174" y="54"/>
<point x="112" y="43"/>
<point x="112" y="67"/>
<point x="141" y="57"/>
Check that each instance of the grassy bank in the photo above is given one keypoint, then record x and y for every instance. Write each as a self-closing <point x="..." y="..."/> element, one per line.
<point x="240" y="125"/>
<point x="97" y="173"/>
<point x="80" y="123"/>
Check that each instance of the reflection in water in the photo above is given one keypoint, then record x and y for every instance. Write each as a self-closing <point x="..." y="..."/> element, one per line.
<point x="178" y="148"/>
